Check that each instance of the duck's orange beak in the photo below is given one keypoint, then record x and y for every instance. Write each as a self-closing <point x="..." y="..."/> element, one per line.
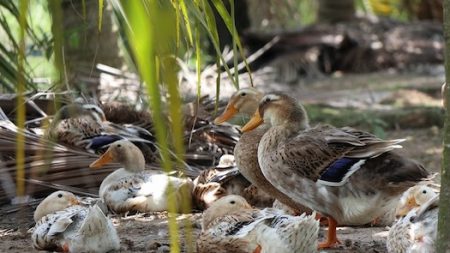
<point x="254" y="122"/>
<point x="411" y="204"/>
<point x="74" y="201"/>
<point x="104" y="159"/>
<point x="229" y="112"/>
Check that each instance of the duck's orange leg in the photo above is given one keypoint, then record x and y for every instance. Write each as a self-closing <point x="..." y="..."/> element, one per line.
<point x="65" y="248"/>
<point x="323" y="222"/>
<point x="331" y="235"/>
<point x="258" y="249"/>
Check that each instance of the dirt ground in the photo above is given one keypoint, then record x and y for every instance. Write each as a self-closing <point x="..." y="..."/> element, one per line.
<point x="148" y="233"/>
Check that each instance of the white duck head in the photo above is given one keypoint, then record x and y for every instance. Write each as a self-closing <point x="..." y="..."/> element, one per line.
<point x="243" y="101"/>
<point x="54" y="202"/>
<point x="224" y="206"/>
<point x="123" y="152"/>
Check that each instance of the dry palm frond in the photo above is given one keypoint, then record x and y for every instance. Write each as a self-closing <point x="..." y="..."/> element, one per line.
<point x="50" y="166"/>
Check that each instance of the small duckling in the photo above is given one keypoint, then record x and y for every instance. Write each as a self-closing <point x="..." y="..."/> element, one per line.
<point x="63" y="225"/>
<point x="231" y="225"/>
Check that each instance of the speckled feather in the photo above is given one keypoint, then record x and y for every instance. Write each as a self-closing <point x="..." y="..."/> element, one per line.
<point x="77" y="228"/>
<point x="270" y="228"/>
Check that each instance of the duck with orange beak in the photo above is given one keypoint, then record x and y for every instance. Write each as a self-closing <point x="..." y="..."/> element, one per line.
<point x="231" y="225"/>
<point x="416" y="228"/>
<point x="349" y="176"/>
<point x="132" y="188"/>
<point x="63" y="224"/>
<point x="245" y="102"/>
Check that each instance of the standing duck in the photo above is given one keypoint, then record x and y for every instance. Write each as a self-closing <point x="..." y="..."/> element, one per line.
<point x="415" y="230"/>
<point x="231" y="225"/>
<point x="349" y="176"/>
<point x="131" y="188"/>
<point x="63" y="225"/>
<point x="245" y="101"/>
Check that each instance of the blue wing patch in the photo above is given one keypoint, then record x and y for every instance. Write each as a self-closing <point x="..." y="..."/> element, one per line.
<point x="102" y="140"/>
<point x="340" y="170"/>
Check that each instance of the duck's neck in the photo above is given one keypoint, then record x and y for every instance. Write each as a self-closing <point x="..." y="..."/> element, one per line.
<point x="281" y="133"/>
<point x="134" y="166"/>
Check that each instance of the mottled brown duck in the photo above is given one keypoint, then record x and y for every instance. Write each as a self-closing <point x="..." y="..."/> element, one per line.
<point x="245" y="102"/>
<point x="231" y="225"/>
<point x="349" y="176"/>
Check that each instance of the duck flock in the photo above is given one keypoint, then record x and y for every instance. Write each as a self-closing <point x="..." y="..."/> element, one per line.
<point x="285" y="180"/>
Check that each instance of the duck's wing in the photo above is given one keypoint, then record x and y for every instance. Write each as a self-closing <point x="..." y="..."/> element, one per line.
<point x="224" y="175"/>
<point x="330" y="154"/>
<point x="312" y="155"/>
<point x="46" y="234"/>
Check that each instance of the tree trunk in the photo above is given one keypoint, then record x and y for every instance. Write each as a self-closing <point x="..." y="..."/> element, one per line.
<point x="443" y="242"/>
<point x="85" y="45"/>
<point x="332" y="11"/>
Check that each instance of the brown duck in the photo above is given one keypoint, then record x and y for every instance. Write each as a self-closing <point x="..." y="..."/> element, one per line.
<point x="349" y="176"/>
<point x="245" y="101"/>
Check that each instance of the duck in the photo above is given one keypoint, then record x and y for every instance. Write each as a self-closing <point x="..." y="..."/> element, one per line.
<point x="347" y="175"/>
<point x="63" y="225"/>
<point x="225" y="179"/>
<point x="231" y="225"/>
<point x="216" y="182"/>
<point x="413" y="198"/>
<point x="85" y="126"/>
<point x="132" y="188"/>
<point x="415" y="228"/>
<point x="244" y="102"/>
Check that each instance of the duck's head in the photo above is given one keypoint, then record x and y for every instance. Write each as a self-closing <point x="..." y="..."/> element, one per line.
<point x="224" y="206"/>
<point x="54" y="202"/>
<point x="278" y="109"/>
<point x="123" y="152"/>
<point x="76" y="110"/>
<point x="243" y="101"/>
<point x="414" y="198"/>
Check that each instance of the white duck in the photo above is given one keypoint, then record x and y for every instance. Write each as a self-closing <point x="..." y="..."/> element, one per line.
<point x="231" y="225"/>
<point x="62" y="225"/>
<point x="131" y="188"/>
<point x="416" y="230"/>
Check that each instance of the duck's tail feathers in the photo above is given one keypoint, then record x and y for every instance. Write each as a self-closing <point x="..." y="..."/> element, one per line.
<point x="300" y="232"/>
<point x="95" y="222"/>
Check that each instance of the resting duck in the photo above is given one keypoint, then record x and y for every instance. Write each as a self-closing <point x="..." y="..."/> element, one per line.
<point x="343" y="173"/>
<point x="225" y="179"/>
<point x="245" y="101"/>
<point x="231" y="225"/>
<point x="63" y="225"/>
<point x="85" y="126"/>
<point x="131" y="188"/>
<point x="413" y="198"/>
<point x="415" y="230"/>
<point x="214" y="183"/>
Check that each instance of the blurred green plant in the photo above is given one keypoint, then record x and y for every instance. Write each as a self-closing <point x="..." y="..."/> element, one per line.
<point x="157" y="33"/>
<point x="38" y="47"/>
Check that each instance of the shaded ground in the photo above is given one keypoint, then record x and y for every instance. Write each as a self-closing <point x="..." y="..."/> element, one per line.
<point x="148" y="233"/>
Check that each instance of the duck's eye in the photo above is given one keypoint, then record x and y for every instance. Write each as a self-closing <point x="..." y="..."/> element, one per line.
<point x="424" y="191"/>
<point x="118" y="145"/>
<point x="267" y="100"/>
<point x="243" y="94"/>
<point x="60" y="195"/>
<point x="232" y="202"/>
